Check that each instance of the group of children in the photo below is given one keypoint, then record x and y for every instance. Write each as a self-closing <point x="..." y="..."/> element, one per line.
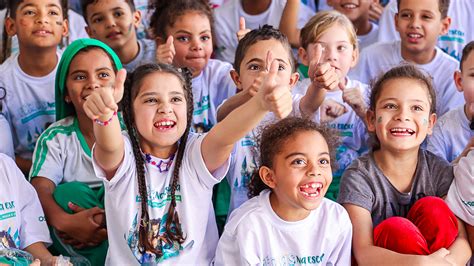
<point x="124" y="137"/>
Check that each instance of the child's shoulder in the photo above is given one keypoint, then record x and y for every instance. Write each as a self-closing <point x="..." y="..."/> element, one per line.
<point x="378" y="48"/>
<point x="216" y="65"/>
<point x="453" y="117"/>
<point x="249" y="213"/>
<point x="334" y="213"/>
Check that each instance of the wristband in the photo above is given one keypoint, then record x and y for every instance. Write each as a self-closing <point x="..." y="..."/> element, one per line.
<point x="105" y="123"/>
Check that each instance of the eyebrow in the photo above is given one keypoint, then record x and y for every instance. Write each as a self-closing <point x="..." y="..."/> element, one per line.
<point x="187" y="32"/>
<point x="153" y="93"/>
<point x="95" y="70"/>
<point x="100" y="13"/>
<point x="258" y="60"/>
<point x="34" y="5"/>
<point x="303" y="154"/>
<point x="396" y="99"/>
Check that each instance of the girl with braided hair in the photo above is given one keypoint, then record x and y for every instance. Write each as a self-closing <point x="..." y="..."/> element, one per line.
<point x="162" y="171"/>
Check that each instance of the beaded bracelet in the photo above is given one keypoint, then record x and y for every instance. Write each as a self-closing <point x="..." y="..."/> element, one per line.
<point x="105" y="123"/>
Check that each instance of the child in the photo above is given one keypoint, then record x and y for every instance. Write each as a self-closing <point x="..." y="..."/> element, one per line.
<point x="29" y="84"/>
<point x="419" y="25"/>
<point x="461" y="195"/>
<point x="288" y="220"/>
<point x="255" y="14"/>
<point x="356" y="11"/>
<point x="393" y="194"/>
<point x="183" y="31"/>
<point x="22" y="223"/>
<point x="161" y="162"/>
<point x="62" y="171"/>
<point x="6" y="141"/>
<point x="453" y="134"/>
<point x="329" y="48"/>
<point x="115" y="23"/>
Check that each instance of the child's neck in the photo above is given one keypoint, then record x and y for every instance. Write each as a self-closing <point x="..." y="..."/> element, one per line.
<point x="285" y="212"/>
<point x="362" y="26"/>
<point x="253" y="7"/>
<point x="157" y="151"/>
<point x="469" y="111"/>
<point x="398" y="167"/>
<point x="420" y="58"/>
<point x="128" y="52"/>
<point x="36" y="62"/>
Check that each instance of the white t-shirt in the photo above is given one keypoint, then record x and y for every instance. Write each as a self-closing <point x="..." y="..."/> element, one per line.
<point x="193" y="204"/>
<point x="6" y="141"/>
<point x="22" y="220"/>
<point x="29" y="105"/>
<point x="460" y="31"/>
<point x="381" y="57"/>
<point x="210" y="89"/>
<point x="227" y="24"/>
<point x="255" y="234"/>
<point x="451" y="134"/>
<point x="460" y="198"/>
<point x="369" y="38"/>
<point x="62" y="155"/>
<point x="146" y="54"/>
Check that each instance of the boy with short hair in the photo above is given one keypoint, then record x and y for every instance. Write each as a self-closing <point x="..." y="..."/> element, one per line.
<point x="453" y="134"/>
<point x="419" y="24"/>
<point x="28" y="77"/>
<point x="115" y="23"/>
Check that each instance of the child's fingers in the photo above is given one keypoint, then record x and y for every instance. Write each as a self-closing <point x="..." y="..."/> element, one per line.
<point x="242" y="24"/>
<point x="108" y="100"/>
<point x="318" y="53"/>
<point x="74" y="207"/>
<point x="90" y="109"/>
<point x="268" y="60"/>
<point x="170" y="41"/>
<point x="119" y="84"/>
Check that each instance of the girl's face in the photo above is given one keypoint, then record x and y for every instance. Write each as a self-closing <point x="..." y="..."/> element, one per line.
<point x="402" y="116"/>
<point x="300" y="176"/>
<point x="88" y="71"/>
<point x="338" y="51"/>
<point x="160" y="111"/>
<point x="192" y="41"/>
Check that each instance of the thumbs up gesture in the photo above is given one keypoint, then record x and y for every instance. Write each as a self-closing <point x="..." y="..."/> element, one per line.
<point x="102" y="102"/>
<point x="165" y="52"/>
<point x="354" y="98"/>
<point x="322" y="75"/>
<point x="274" y="97"/>
<point x="242" y="29"/>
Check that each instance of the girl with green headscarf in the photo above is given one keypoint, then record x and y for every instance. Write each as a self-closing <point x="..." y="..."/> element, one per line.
<point x="62" y="172"/>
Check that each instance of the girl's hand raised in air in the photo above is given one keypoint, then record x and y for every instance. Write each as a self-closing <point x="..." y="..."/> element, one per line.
<point x="165" y="52"/>
<point x="242" y="29"/>
<point x="353" y="97"/>
<point x="102" y="102"/>
<point x="322" y="75"/>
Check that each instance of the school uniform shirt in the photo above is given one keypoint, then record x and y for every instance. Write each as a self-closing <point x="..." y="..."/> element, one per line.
<point x="364" y="184"/>
<point x="459" y="34"/>
<point x="62" y="155"/>
<point x="227" y="19"/>
<point x="146" y="54"/>
<point x="193" y="205"/>
<point x="29" y="105"/>
<point x="6" y="140"/>
<point x="322" y="5"/>
<point x="451" y="133"/>
<point x="460" y="197"/>
<point x="210" y="89"/>
<point x="22" y="220"/>
<point x="255" y="234"/>
<point x="369" y="38"/>
<point x="381" y="57"/>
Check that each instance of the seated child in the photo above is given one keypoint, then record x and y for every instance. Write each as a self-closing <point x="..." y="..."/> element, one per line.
<point x="419" y="24"/>
<point x="329" y="48"/>
<point x="184" y="32"/>
<point x="22" y="222"/>
<point x="288" y="220"/>
<point x="29" y="84"/>
<point x="115" y="23"/>
<point x="453" y="134"/>
<point x="394" y="194"/>
<point x="62" y="173"/>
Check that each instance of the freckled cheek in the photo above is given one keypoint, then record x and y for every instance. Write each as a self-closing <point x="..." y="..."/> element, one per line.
<point x="23" y="22"/>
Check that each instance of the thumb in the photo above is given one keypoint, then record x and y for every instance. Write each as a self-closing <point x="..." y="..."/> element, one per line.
<point x="74" y="208"/>
<point x="169" y="41"/>
<point x="342" y="86"/>
<point x="119" y="84"/>
<point x="442" y="252"/>
<point x="271" y="76"/>
<point x="268" y="60"/>
<point x="318" y="53"/>
<point x="242" y="23"/>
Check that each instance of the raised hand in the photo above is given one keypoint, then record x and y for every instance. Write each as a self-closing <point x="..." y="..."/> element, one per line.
<point x="331" y="110"/>
<point x="242" y="29"/>
<point x="165" y="52"/>
<point x="322" y="75"/>
<point x="354" y="98"/>
<point x="274" y="97"/>
<point x="102" y="102"/>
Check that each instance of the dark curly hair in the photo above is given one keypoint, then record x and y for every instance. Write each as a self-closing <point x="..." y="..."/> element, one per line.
<point x="266" y="32"/>
<point x="466" y="51"/>
<point x="132" y="87"/>
<point x="86" y="3"/>
<point x="274" y="137"/>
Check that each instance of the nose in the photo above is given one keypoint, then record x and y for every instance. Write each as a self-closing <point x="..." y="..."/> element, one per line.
<point x="42" y="17"/>
<point x="196" y="44"/>
<point x="330" y="54"/>
<point x="165" y="108"/>
<point x="415" y="22"/>
<point x="110" y="22"/>
<point x="402" y="114"/>
<point x="312" y="170"/>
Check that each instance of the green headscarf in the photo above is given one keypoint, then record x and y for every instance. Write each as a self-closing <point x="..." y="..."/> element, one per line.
<point x="64" y="109"/>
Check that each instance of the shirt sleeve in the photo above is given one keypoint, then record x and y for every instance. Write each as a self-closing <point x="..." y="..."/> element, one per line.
<point x="442" y="173"/>
<point x="6" y="139"/>
<point x="355" y="188"/>
<point x="47" y="158"/>
<point x="436" y="142"/>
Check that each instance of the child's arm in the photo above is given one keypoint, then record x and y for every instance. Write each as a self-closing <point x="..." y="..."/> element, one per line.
<point x="289" y="21"/>
<point x="165" y="52"/>
<point x="470" y="234"/>
<point x="242" y="29"/>
<point x="102" y="105"/>
<point x="218" y="143"/>
<point x="467" y="149"/>
<point x="366" y="253"/>
<point x="460" y="251"/>
<point x="353" y="97"/>
<point x="39" y="251"/>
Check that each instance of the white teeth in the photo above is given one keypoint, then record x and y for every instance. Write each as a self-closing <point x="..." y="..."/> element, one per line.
<point x="414" y="35"/>
<point x="313" y="185"/>
<point x="349" y="6"/>
<point x="165" y="123"/>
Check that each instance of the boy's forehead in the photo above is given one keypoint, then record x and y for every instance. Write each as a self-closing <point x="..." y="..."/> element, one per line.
<point x="37" y="3"/>
<point x="100" y="6"/>
<point x="425" y="5"/>
<point x="258" y="51"/>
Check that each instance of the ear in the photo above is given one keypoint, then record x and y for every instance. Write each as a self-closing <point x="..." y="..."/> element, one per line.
<point x="266" y="175"/>
<point x="10" y="27"/>
<point x="294" y="79"/>
<point x="431" y="122"/>
<point x="67" y="99"/>
<point x="89" y="31"/>
<point x="65" y="27"/>
<point x="445" y="23"/>
<point x="303" y="56"/>
<point x="236" y="78"/>
<point x="396" y="21"/>
<point x="370" y="118"/>
<point x="137" y="18"/>
<point x="458" y="80"/>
